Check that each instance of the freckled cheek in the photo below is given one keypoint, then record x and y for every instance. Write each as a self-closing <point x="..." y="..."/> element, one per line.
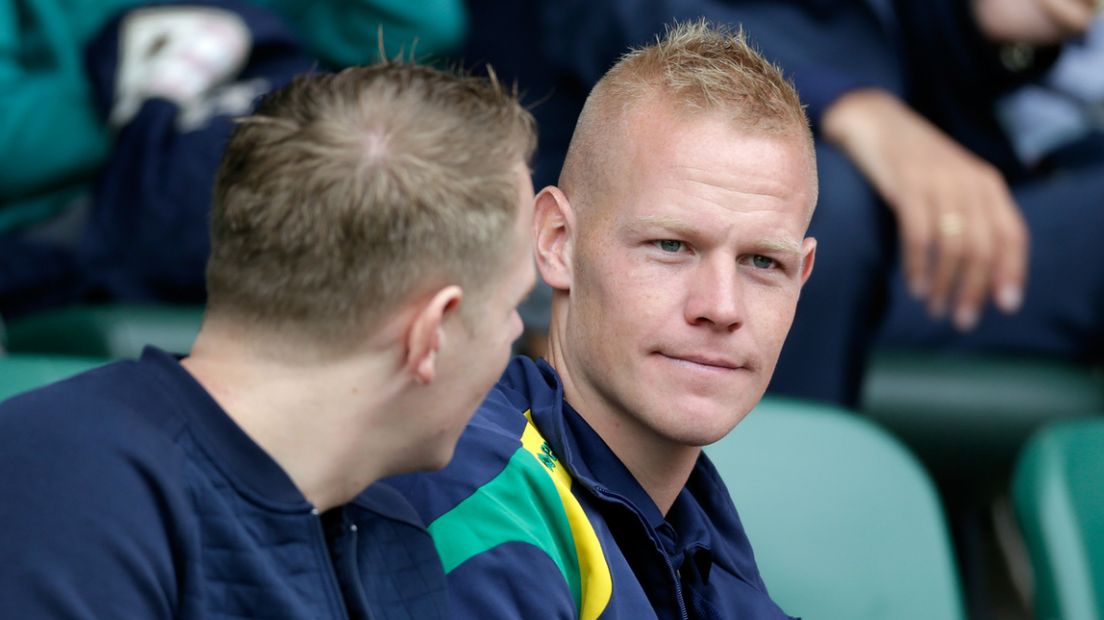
<point x="642" y="306"/>
<point x="650" y="290"/>
<point x="775" y="318"/>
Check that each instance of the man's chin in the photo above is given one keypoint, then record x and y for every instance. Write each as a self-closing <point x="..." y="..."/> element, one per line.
<point x="711" y="424"/>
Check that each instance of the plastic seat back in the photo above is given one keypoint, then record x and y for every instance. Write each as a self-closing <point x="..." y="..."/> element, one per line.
<point x="108" y="331"/>
<point x="967" y="416"/>
<point x="1058" y="488"/>
<point x="845" y="523"/>
<point x="19" y="373"/>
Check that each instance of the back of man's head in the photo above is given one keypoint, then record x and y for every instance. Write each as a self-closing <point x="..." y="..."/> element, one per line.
<point x="697" y="68"/>
<point x="346" y="194"/>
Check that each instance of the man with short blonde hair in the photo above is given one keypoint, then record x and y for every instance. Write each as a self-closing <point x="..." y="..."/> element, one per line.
<point x="675" y="247"/>
<point x="369" y="247"/>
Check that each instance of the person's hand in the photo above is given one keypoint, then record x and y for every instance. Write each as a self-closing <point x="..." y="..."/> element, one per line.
<point x="962" y="236"/>
<point x="1036" y="22"/>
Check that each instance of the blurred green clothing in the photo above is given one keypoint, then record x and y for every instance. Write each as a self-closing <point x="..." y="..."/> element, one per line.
<point x="344" y="33"/>
<point x="50" y="135"/>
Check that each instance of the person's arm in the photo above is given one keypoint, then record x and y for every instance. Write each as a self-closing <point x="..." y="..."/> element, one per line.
<point x="506" y="549"/>
<point x="1035" y="22"/>
<point x="509" y="581"/>
<point x="963" y="238"/>
<point x="83" y="532"/>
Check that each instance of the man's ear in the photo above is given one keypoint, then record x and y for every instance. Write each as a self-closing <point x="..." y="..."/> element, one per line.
<point x="426" y="335"/>
<point x="808" y="256"/>
<point x="553" y="229"/>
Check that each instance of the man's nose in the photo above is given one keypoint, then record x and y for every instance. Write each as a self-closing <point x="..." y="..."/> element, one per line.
<point x="714" y="296"/>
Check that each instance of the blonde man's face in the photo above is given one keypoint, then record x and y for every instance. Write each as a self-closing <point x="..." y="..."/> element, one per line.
<point x="686" y="274"/>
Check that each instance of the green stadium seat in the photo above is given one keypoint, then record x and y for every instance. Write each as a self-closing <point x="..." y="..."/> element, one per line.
<point x="19" y="373"/>
<point x="107" y="331"/>
<point x="845" y="523"/>
<point x="968" y="416"/>
<point x="1058" y="489"/>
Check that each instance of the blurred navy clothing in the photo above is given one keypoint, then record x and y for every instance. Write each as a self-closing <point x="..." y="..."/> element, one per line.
<point x="536" y="517"/>
<point x="129" y="493"/>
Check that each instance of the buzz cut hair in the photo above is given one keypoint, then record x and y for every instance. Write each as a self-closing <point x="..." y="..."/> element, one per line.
<point x="696" y="67"/>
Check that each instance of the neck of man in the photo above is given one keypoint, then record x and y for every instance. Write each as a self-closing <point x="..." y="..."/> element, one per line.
<point x="661" y="466"/>
<point x="320" y="419"/>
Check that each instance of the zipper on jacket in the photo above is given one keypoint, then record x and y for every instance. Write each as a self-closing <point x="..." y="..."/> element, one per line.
<point x="610" y="496"/>
<point x="335" y="587"/>
<point x="678" y="591"/>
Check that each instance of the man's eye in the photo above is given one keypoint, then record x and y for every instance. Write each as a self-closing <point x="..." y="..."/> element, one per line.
<point x="762" y="262"/>
<point x="669" y="245"/>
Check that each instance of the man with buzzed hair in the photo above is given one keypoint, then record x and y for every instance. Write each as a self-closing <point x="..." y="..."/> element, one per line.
<point x="369" y="247"/>
<point x="675" y="246"/>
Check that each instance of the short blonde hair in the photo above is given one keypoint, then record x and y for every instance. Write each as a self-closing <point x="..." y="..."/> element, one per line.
<point x="346" y="194"/>
<point x="696" y="67"/>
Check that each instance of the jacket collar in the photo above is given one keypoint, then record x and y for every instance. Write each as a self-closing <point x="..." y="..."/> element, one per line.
<point x="253" y="471"/>
<point x="536" y="386"/>
<point x="703" y="512"/>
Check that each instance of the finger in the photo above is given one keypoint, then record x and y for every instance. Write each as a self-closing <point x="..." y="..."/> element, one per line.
<point x="949" y="250"/>
<point x="976" y="268"/>
<point x="1010" y="260"/>
<point x="1072" y="16"/>
<point x="916" y="240"/>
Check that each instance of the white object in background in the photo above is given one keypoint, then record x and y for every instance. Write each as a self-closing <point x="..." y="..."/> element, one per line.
<point x="176" y="53"/>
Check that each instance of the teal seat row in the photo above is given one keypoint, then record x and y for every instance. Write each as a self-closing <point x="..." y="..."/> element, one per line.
<point x="845" y="523"/>
<point x="22" y="372"/>
<point x="1059" y="499"/>
<point x="969" y="415"/>
<point x="110" y="331"/>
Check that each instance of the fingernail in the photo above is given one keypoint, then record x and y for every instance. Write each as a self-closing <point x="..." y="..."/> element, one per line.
<point x="1010" y="298"/>
<point x="965" y="319"/>
<point x="937" y="309"/>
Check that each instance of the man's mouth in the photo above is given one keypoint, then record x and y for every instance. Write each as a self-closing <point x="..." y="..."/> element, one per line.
<point x="709" y="362"/>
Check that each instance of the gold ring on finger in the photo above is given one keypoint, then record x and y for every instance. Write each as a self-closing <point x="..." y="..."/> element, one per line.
<point x="951" y="224"/>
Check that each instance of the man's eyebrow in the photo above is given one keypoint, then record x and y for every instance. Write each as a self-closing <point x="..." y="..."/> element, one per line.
<point x="672" y="224"/>
<point x="781" y="245"/>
